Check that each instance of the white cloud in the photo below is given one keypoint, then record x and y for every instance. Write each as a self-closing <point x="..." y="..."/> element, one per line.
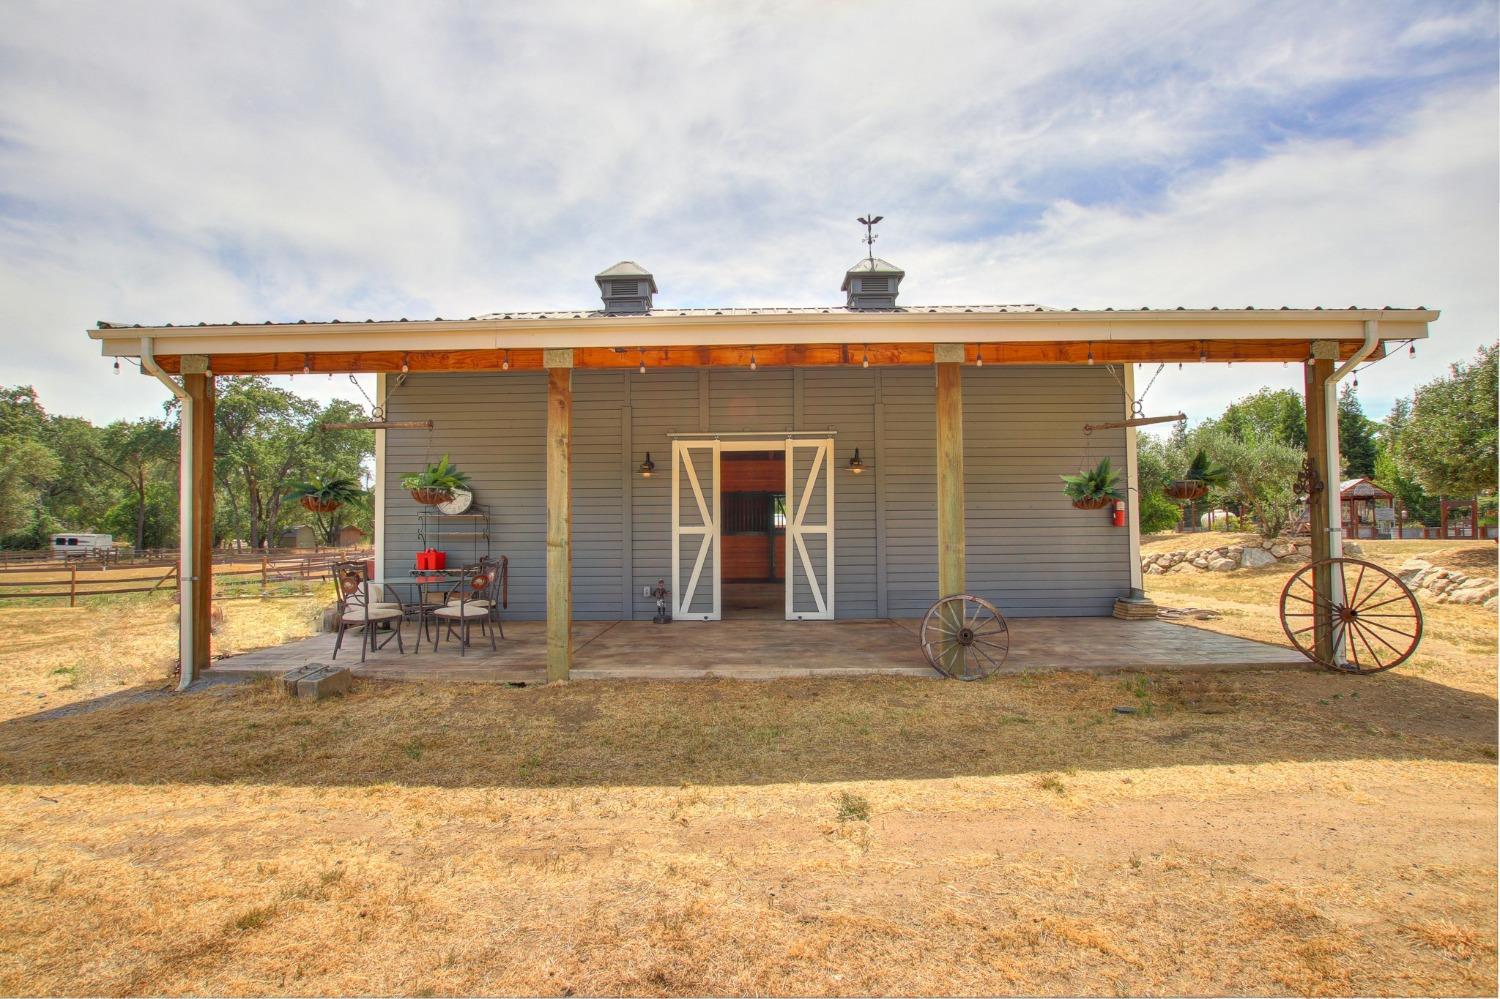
<point x="176" y="163"/>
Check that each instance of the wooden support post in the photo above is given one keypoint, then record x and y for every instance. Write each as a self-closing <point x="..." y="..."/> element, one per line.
<point x="72" y="585"/>
<point x="201" y="389"/>
<point x="950" y="477"/>
<point x="559" y="514"/>
<point x="1317" y="503"/>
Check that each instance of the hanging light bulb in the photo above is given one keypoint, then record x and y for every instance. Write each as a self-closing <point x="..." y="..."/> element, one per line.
<point x="752" y="359"/>
<point x="1411" y="349"/>
<point x="866" y="362"/>
<point x="1202" y="352"/>
<point x="505" y="362"/>
<point x="405" y="364"/>
<point x="117" y="365"/>
<point x="1356" y="378"/>
<point x="1091" y="353"/>
<point x="979" y="356"/>
<point x="643" y="362"/>
<point x="307" y="364"/>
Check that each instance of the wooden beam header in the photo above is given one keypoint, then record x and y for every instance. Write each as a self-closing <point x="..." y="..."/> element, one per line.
<point x="766" y="355"/>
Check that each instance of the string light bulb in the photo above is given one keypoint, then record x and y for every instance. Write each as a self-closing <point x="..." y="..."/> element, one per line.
<point x="405" y="364"/>
<point x="1411" y="349"/>
<point x="752" y="360"/>
<point x="505" y="362"/>
<point x="1091" y="353"/>
<point x="117" y="365"/>
<point x="307" y="364"/>
<point x="1202" y="353"/>
<point x="866" y="362"/>
<point x="643" y="361"/>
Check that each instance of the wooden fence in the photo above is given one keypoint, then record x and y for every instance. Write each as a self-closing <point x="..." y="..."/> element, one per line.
<point x="76" y="578"/>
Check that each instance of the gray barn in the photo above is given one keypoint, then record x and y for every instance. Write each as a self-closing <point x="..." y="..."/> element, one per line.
<point x="834" y="462"/>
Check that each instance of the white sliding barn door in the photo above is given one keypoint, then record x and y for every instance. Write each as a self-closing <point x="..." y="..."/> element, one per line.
<point x="809" y="530"/>
<point x="695" y="530"/>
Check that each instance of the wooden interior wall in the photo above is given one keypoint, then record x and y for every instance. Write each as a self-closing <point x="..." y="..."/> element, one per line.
<point x="748" y="557"/>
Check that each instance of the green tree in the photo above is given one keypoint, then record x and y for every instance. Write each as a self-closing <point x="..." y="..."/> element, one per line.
<point x="138" y="452"/>
<point x="1356" y="436"/>
<point x="1276" y="414"/>
<point x="25" y="467"/>
<point x="1157" y="512"/>
<point x="269" y="437"/>
<point x="1262" y="477"/>
<point x="1449" y="441"/>
<point x="1390" y="471"/>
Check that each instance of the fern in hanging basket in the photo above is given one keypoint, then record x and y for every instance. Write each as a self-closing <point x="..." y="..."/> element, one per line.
<point x="325" y="495"/>
<point x="435" y="483"/>
<point x="1202" y="475"/>
<point x="1093" y="489"/>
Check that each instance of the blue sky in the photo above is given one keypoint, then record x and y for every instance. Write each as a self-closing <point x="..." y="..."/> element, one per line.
<point x="175" y="162"/>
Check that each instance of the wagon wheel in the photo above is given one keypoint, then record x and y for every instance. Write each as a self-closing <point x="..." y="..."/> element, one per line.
<point x="965" y="637"/>
<point x="1374" y="622"/>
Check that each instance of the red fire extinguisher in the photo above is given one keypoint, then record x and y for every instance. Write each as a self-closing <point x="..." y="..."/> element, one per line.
<point x="1119" y="514"/>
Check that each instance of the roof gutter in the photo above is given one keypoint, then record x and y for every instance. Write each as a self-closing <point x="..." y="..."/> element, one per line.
<point x="1331" y="491"/>
<point x="185" y="579"/>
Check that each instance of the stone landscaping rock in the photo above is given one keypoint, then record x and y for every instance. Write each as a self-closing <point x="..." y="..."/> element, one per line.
<point x="1351" y="548"/>
<point x="1281" y="549"/>
<point x="1221" y="565"/>
<point x="1254" y="558"/>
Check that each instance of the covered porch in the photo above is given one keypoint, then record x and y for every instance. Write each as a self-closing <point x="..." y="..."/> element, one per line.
<point x="773" y="649"/>
<point x="937" y="346"/>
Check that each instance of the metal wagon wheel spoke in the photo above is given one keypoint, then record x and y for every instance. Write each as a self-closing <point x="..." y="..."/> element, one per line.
<point x="964" y="637"/>
<point x="1344" y="634"/>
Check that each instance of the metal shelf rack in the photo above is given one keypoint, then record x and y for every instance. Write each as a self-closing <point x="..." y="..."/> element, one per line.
<point x="473" y="525"/>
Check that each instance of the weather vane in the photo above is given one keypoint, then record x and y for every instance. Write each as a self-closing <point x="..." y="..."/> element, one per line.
<point x="868" y="222"/>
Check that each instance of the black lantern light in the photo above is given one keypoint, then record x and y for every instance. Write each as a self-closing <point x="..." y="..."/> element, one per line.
<point x="856" y="466"/>
<point x="648" y="467"/>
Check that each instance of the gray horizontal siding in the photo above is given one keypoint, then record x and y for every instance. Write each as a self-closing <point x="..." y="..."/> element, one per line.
<point x="1028" y="549"/>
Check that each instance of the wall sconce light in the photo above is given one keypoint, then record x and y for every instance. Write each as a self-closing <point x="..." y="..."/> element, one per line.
<point x="648" y="467"/>
<point x="856" y="466"/>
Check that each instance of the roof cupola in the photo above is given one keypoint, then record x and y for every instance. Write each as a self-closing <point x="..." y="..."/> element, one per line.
<point x="626" y="287"/>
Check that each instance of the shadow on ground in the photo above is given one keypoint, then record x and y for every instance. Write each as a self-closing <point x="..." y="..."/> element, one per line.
<point x="639" y="733"/>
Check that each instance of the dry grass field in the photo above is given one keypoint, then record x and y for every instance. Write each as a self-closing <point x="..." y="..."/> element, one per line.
<point x="1263" y="833"/>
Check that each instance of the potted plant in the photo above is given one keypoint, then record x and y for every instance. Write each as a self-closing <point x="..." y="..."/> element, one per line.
<point x="435" y="483"/>
<point x="325" y="495"/>
<point x="1093" y="489"/>
<point x="1202" y="474"/>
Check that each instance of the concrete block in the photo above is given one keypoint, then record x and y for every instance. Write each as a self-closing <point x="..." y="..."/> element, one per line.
<point x="316" y="681"/>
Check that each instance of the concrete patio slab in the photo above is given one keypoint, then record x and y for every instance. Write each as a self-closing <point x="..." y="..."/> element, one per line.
<point x="768" y="649"/>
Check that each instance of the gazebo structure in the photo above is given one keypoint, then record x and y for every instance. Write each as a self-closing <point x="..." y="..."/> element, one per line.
<point x="919" y="446"/>
<point x="1368" y="511"/>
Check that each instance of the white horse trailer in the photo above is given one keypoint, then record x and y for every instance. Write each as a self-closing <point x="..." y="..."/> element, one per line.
<point x="80" y="545"/>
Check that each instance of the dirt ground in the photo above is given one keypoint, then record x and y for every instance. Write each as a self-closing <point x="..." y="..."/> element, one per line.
<point x="1286" y="833"/>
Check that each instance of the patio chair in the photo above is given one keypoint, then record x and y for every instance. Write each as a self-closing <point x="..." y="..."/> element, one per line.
<point x="497" y="596"/>
<point x="471" y="607"/>
<point x="357" y="610"/>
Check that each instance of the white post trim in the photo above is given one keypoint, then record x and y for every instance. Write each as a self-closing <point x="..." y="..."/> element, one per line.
<point x="378" y="527"/>
<point x="1133" y="492"/>
<point x="185" y="498"/>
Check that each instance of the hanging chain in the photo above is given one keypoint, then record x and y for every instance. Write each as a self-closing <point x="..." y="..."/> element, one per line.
<point x="377" y="413"/>
<point x="1137" y="403"/>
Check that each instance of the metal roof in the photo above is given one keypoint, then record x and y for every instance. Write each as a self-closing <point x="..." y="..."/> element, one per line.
<point x="1362" y="488"/>
<point x="811" y="310"/>
<point x="875" y="266"/>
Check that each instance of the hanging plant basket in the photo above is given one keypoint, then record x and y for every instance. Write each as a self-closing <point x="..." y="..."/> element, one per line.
<point x="1184" y="490"/>
<point x="1092" y="503"/>
<point x="315" y="505"/>
<point x="431" y="496"/>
